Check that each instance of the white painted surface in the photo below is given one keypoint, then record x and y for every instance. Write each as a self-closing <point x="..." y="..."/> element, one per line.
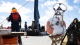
<point x="36" y="40"/>
<point x="5" y="31"/>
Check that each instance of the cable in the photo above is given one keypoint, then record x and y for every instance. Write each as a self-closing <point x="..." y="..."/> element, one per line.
<point x="24" y="4"/>
<point x="69" y="16"/>
<point x="68" y="11"/>
<point x="3" y="21"/>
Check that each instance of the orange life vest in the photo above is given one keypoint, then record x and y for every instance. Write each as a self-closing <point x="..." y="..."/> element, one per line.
<point x="15" y="16"/>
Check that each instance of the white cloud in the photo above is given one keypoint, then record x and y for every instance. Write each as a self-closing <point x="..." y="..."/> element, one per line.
<point x="62" y="1"/>
<point x="70" y="19"/>
<point x="48" y="14"/>
<point x="51" y="3"/>
<point x="3" y="17"/>
<point x="33" y="0"/>
<point x="7" y="6"/>
<point x="29" y="0"/>
<point x="77" y="8"/>
<point x="69" y="7"/>
<point x="76" y="1"/>
<point x="42" y="6"/>
<point x="79" y="11"/>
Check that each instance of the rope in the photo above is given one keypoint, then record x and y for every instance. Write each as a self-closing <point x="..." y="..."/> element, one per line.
<point x="68" y="11"/>
<point x="69" y="16"/>
<point x="24" y="4"/>
<point x="3" y="21"/>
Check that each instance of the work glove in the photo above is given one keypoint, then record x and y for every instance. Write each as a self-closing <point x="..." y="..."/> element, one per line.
<point x="20" y="26"/>
<point x="7" y="18"/>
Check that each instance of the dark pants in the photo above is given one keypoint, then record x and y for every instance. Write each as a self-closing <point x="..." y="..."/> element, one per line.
<point x="16" y="28"/>
<point x="25" y="29"/>
<point x="19" y="40"/>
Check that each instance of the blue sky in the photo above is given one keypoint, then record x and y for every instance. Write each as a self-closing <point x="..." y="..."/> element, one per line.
<point x="45" y="10"/>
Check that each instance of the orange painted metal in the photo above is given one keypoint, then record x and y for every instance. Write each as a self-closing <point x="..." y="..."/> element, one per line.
<point x="49" y="28"/>
<point x="1" y="40"/>
<point x="10" y="40"/>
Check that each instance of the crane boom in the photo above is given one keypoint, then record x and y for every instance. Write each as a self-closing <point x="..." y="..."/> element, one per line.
<point x="35" y="23"/>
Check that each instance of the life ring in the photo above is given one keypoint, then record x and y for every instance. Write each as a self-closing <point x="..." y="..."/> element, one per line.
<point x="55" y="28"/>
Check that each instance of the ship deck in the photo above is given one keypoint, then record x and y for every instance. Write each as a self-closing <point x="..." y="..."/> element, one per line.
<point x="39" y="40"/>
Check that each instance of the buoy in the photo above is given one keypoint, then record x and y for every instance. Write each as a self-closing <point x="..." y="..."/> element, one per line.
<point x="55" y="26"/>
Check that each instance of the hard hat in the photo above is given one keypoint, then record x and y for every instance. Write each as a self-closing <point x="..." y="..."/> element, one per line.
<point x="13" y="8"/>
<point x="25" y="22"/>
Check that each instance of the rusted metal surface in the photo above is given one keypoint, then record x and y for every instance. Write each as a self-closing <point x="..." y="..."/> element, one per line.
<point x="56" y="39"/>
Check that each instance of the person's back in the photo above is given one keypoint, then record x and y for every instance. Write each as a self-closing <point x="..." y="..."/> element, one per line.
<point x="15" y="20"/>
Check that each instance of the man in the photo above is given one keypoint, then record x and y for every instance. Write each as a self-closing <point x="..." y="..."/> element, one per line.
<point x="15" y="19"/>
<point x="25" y="26"/>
